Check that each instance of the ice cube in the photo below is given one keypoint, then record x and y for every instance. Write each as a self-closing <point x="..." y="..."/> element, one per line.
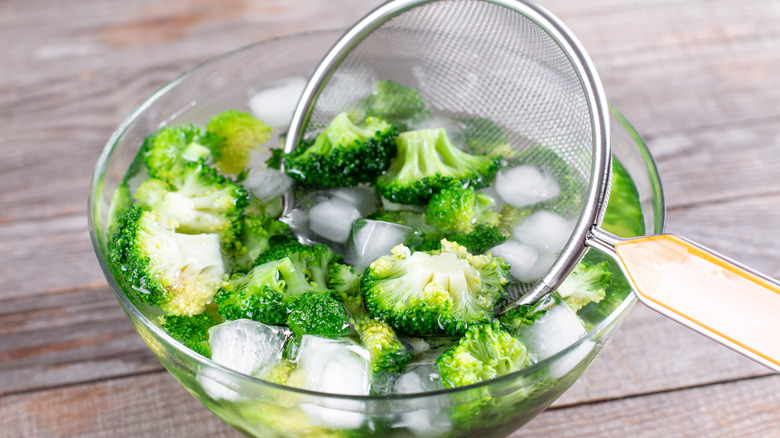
<point x="298" y="220"/>
<point x="558" y="328"/>
<point x="423" y="418"/>
<point x="245" y="346"/>
<point x="544" y="230"/>
<point x="332" y="219"/>
<point x="336" y="366"/>
<point x="267" y="184"/>
<point x="566" y="363"/>
<point x="372" y="239"/>
<point x="522" y="259"/>
<point x="363" y="198"/>
<point x="275" y="105"/>
<point x="525" y="185"/>
<point x="422" y="378"/>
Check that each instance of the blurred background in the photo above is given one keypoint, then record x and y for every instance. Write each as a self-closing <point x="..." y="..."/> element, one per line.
<point x="699" y="80"/>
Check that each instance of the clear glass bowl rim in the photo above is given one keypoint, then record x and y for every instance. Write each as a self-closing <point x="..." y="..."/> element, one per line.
<point x="203" y="362"/>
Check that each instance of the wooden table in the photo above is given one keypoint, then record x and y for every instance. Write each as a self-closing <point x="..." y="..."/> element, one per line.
<point x="700" y="79"/>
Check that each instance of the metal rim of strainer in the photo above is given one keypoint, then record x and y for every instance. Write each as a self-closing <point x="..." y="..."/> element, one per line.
<point x="598" y="189"/>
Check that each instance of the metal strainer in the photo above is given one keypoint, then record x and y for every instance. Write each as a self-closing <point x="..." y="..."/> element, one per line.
<point x="513" y="63"/>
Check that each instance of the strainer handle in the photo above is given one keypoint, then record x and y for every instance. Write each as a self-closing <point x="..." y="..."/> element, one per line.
<point x="717" y="297"/>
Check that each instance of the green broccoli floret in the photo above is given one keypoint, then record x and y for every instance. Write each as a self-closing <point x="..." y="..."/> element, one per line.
<point x="259" y="295"/>
<point x="274" y="161"/>
<point x="121" y="202"/>
<point x="312" y="261"/>
<point x="459" y="209"/>
<point x="485" y="351"/>
<point x="585" y="284"/>
<point x="344" y="154"/>
<point x="427" y="162"/>
<point x="396" y="103"/>
<point x="259" y="232"/>
<point x="484" y="136"/>
<point x="264" y="293"/>
<point x="387" y="352"/>
<point x="168" y="150"/>
<point x="178" y="272"/>
<point x="346" y="283"/>
<point x="236" y="134"/>
<point x="525" y="315"/>
<point x="481" y="239"/>
<point x="317" y="313"/>
<point x="623" y="216"/>
<point x="434" y="292"/>
<point x="199" y="200"/>
<point x="280" y="373"/>
<point x="192" y="331"/>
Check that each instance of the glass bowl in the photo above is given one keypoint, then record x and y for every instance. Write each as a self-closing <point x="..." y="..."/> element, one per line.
<point x="259" y="408"/>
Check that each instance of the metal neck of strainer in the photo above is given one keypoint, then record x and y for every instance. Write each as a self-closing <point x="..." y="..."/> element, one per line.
<point x="510" y="62"/>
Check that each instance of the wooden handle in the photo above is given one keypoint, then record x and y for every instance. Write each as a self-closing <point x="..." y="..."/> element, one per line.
<point x="714" y="296"/>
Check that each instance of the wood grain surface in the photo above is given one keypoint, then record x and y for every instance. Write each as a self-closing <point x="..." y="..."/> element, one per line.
<point x="699" y="79"/>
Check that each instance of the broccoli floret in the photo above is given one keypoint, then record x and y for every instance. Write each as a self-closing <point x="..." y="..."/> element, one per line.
<point x="459" y="209"/>
<point x="264" y="293"/>
<point x="483" y="136"/>
<point x="259" y="232"/>
<point x="274" y="161"/>
<point x="344" y="154"/>
<point x="585" y="284"/>
<point x="121" y="202"/>
<point x="427" y="162"/>
<point x="387" y="352"/>
<point x="258" y="295"/>
<point x="236" y="134"/>
<point x="346" y="283"/>
<point x="178" y="272"/>
<point x="396" y="103"/>
<point x="485" y="352"/>
<point x="199" y="200"/>
<point x="434" y="292"/>
<point x="280" y="373"/>
<point x="312" y="261"/>
<point x="525" y="315"/>
<point x="623" y="216"/>
<point x="317" y="313"/>
<point x="168" y="150"/>
<point x="192" y="331"/>
<point x="481" y="239"/>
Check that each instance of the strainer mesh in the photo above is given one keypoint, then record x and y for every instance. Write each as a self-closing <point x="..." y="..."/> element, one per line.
<point x="476" y="59"/>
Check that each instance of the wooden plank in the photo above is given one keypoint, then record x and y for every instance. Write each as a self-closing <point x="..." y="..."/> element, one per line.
<point x="669" y="66"/>
<point x="661" y="86"/>
<point x="74" y="337"/>
<point x="155" y="405"/>
<point x="150" y="405"/>
<point x="747" y="408"/>
<point x="47" y="255"/>
<point x="67" y="337"/>
<point x="629" y="364"/>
